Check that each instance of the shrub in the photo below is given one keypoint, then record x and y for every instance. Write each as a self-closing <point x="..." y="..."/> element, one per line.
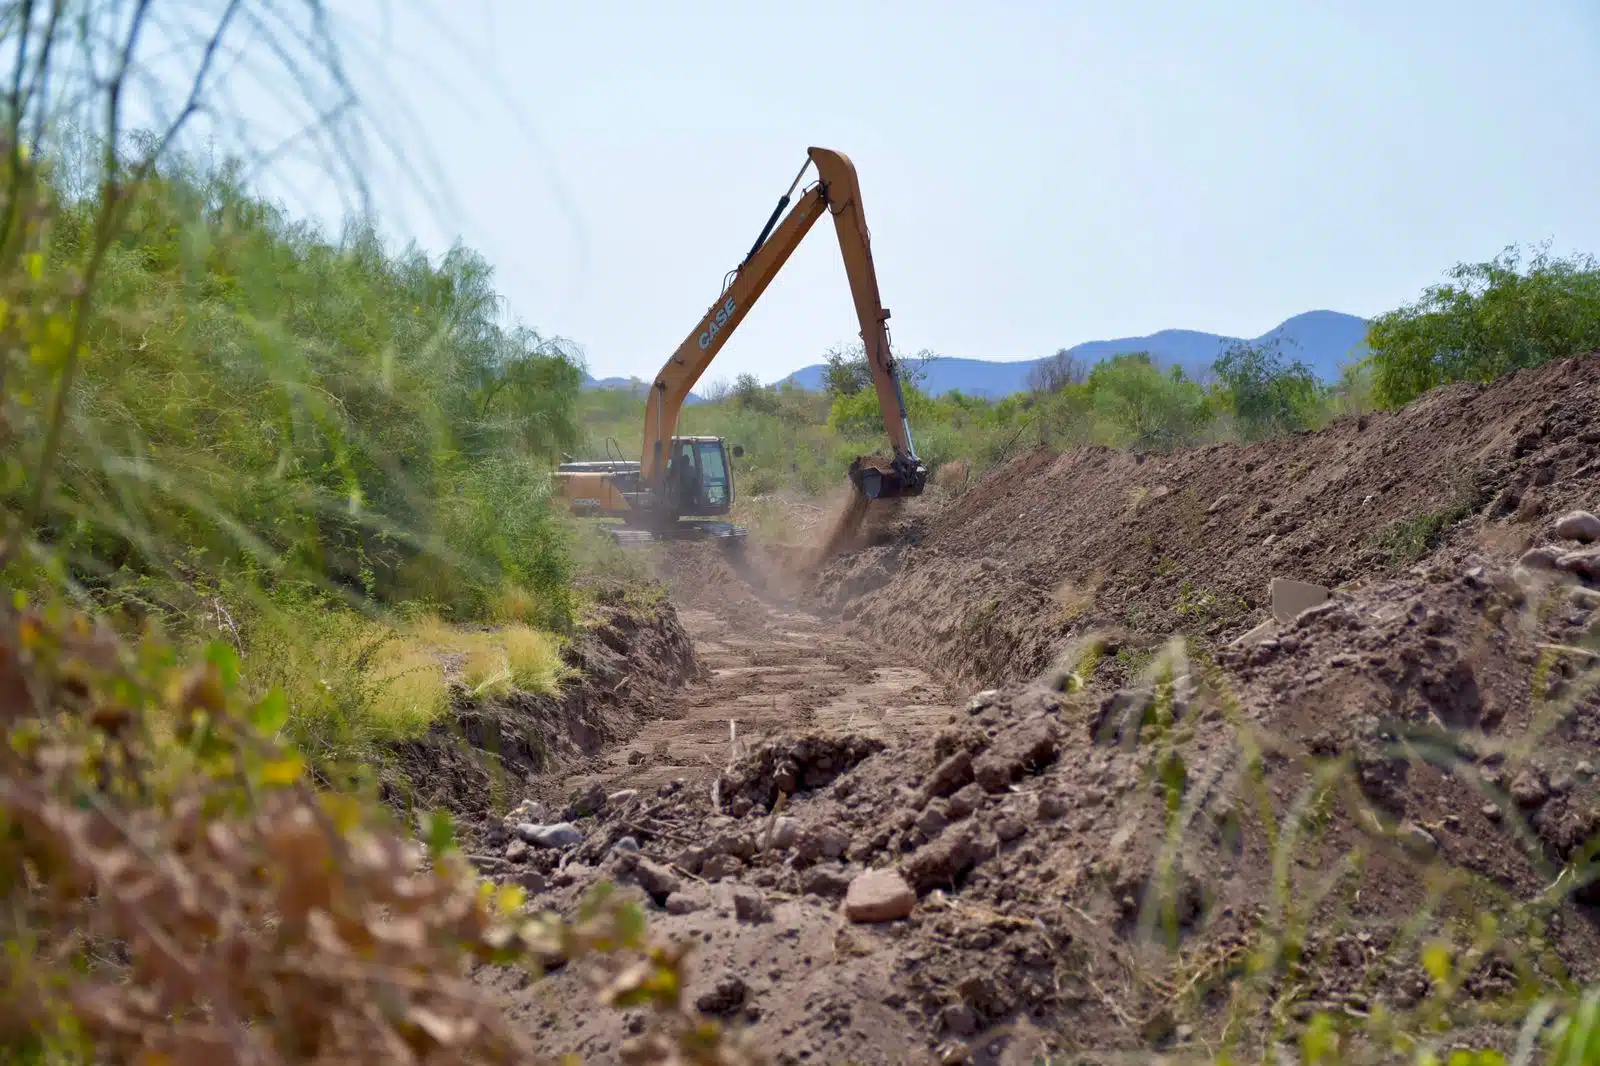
<point x="175" y="892"/>
<point x="1266" y="396"/>
<point x="1489" y="319"/>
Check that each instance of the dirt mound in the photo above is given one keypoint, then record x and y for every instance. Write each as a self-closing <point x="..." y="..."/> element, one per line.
<point x="1289" y="828"/>
<point x="1052" y="545"/>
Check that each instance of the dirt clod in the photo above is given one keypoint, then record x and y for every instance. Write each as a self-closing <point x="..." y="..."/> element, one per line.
<point x="879" y="896"/>
<point x="1022" y="749"/>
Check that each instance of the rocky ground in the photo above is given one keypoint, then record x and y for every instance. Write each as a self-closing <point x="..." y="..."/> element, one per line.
<point x="1380" y="809"/>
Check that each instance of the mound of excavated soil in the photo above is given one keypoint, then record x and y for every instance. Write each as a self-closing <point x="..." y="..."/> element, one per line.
<point x="1277" y="832"/>
<point x="988" y="585"/>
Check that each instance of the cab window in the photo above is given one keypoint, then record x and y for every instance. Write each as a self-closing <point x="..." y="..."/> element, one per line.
<point x="713" y="473"/>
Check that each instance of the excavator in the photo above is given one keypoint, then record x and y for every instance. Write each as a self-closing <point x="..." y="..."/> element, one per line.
<point x="681" y="484"/>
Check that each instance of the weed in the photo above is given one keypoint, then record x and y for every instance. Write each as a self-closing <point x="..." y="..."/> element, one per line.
<point x="1076" y="599"/>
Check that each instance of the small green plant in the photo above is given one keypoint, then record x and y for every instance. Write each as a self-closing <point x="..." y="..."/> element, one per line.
<point x="1407" y="540"/>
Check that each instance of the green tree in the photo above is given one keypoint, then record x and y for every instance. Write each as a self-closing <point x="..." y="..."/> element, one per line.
<point x="1266" y="395"/>
<point x="1146" y="407"/>
<point x="750" y="395"/>
<point x="1487" y="320"/>
<point x="845" y="371"/>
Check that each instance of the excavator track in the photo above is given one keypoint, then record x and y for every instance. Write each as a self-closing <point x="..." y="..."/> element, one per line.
<point x="630" y="536"/>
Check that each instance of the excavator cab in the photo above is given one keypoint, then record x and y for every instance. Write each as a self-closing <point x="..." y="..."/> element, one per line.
<point x="700" y="476"/>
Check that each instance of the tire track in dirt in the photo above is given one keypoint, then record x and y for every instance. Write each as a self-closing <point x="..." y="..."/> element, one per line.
<point x="769" y="668"/>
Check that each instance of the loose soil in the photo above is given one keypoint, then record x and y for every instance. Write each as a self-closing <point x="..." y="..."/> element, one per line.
<point x="1128" y="844"/>
<point x="764" y="666"/>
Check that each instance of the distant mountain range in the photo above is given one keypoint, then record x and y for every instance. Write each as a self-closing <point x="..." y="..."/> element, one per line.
<point x="1323" y="340"/>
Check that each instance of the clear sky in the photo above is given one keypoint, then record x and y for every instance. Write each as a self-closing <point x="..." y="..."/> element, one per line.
<point x="1035" y="174"/>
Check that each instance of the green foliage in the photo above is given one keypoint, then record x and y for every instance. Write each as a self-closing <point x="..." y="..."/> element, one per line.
<point x="165" y="833"/>
<point x="1490" y="318"/>
<point x="846" y="372"/>
<point x="1407" y="540"/>
<point x="287" y="406"/>
<point x="1266" y="396"/>
<point x="1148" y="408"/>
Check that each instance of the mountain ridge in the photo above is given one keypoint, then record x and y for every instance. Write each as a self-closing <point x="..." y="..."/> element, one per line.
<point x="1324" y="340"/>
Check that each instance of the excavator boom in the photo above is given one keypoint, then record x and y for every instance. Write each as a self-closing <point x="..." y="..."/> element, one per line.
<point x="837" y="192"/>
<point x="679" y="476"/>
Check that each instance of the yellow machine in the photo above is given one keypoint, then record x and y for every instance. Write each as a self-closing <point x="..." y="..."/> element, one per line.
<point x="680" y="482"/>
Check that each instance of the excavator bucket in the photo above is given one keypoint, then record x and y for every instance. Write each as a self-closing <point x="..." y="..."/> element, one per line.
<point x="877" y="478"/>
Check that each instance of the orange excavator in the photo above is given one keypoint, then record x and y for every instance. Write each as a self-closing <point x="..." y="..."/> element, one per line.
<point x="681" y="484"/>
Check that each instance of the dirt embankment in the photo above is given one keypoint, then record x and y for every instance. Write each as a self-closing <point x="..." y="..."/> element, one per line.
<point x="1151" y="847"/>
<point x="630" y="662"/>
<point x="1051" y="545"/>
<point x="1139" y="867"/>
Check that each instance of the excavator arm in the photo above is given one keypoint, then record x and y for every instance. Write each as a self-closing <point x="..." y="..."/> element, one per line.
<point x="838" y="193"/>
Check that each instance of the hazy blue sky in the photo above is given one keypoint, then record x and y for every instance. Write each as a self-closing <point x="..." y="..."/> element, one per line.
<point x="1035" y="174"/>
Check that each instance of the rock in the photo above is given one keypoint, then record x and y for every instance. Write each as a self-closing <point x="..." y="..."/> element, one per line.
<point x="982" y="701"/>
<point x="517" y="851"/>
<point x="1024" y="748"/>
<point x="1578" y="525"/>
<point x="932" y="821"/>
<point x="691" y="859"/>
<point x="1539" y="559"/>
<point x="944" y="860"/>
<point x="966" y="800"/>
<point x="1529" y="789"/>
<point x="949" y="775"/>
<point x="719" y="866"/>
<point x="725" y="996"/>
<point x="1418" y="840"/>
<point x="958" y="1019"/>
<point x="528" y="811"/>
<point x="687" y="902"/>
<point x="1257" y="635"/>
<point x="559" y="835"/>
<point x="1290" y="597"/>
<point x="590" y="801"/>
<point x="828" y="880"/>
<point x="1008" y="828"/>
<point x="1491" y="811"/>
<point x="1584" y="564"/>
<point x="879" y="896"/>
<point x="822" y="842"/>
<point x="1051" y="805"/>
<point x="626" y="845"/>
<point x="749" y="905"/>
<point x="732" y="842"/>
<point x="784" y="832"/>
<point x="532" y="882"/>
<point x="620" y="798"/>
<point x="1584" y="768"/>
<point x="655" y="879"/>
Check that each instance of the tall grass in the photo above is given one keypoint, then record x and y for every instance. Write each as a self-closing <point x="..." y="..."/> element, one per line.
<point x="223" y="422"/>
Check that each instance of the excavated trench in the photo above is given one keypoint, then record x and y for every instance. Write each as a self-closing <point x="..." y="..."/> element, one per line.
<point x="1123" y="861"/>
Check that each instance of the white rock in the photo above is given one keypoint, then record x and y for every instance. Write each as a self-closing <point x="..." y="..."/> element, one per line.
<point x="559" y="835"/>
<point x="1290" y="597"/>
<point x="1578" y="525"/>
<point x="879" y="896"/>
